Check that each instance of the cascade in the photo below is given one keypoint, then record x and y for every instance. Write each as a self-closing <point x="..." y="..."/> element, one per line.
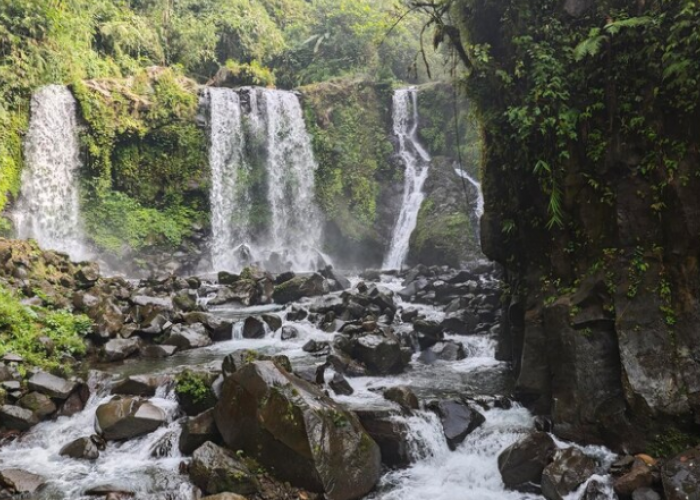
<point x="263" y="181"/>
<point x="479" y="209"/>
<point x="48" y="208"/>
<point x="416" y="161"/>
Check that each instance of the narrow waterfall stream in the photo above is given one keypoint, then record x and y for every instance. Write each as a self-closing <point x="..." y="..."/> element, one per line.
<point x="48" y="208"/>
<point x="149" y="466"/>
<point x="479" y="210"/>
<point x="416" y="162"/>
<point x="263" y="185"/>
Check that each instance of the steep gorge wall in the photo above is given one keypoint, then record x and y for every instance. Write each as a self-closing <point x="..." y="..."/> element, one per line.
<point x="590" y="116"/>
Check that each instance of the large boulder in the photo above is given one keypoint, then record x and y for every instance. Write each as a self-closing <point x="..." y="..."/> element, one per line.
<point x="300" y="287"/>
<point x="290" y="426"/>
<point x="390" y="434"/>
<point x="17" y="418"/>
<point x="569" y="469"/>
<point x="243" y="292"/>
<point x="381" y="354"/>
<point x="681" y="476"/>
<point x="458" y="419"/>
<point x="188" y="336"/>
<point x="20" y="481"/>
<point x="119" y="349"/>
<point x="253" y="328"/>
<point x="217" y="470"/>
<point x="126" y="418"/>
<point x="140" y="385"/>
<point x="52" y="386"/>
<point x="523" y="463"/>
<point x="40" y="404"/>
<point x="198" y="430"/>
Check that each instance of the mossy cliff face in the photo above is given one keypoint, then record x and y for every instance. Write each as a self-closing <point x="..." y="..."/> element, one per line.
<point x="357" y="185"/>
<point x="360" y="179"/>
<point x="590" y="119"/>
<point x="447" y="227"/>
<point x="146" y="175"/>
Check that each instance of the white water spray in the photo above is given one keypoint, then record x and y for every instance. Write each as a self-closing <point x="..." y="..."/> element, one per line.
<point x="48" y="209"/>
<point x="260" y="150"/>
<point x="416" y="160"/>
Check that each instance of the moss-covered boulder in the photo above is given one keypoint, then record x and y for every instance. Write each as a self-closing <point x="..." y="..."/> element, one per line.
<point x="297" y="432"/>
<point x="217" y="470"/>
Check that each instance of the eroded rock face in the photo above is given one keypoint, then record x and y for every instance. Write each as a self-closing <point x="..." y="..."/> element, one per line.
<point x="126" y="418"/>
<point x="458" y="420"/>
<point x="524" y="462"/>
<point x="291" y="427"/>
<point x="681" y="476"/>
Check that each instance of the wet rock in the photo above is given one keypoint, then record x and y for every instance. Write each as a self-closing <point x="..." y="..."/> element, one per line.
<point x="380" y="354"/>
<point x="188" y="337"/>
<point x="317" y="348"/>
<point x="224" y="496"/>
<point x="20" y="481"/>
<point x="81" y="448"/>
<point x="110" y="492"/>
<point x="75" y="402"/>
<point x="225" y="278"/>
<point x="273" y="321"/>
<point x="342" y="283"/>
<point x="524" y="461"/>
<point x="139" y="385"/>
<point x="119" y="349"/>
<point x="253" y="328"/>
<point x="217" y="470"/>
<point x="460" y="323"/>
<point x="458" y="419"/>
<point x="447" y="350"/>
<point x="681" y="476"/>
<point x="595" y="490"/>
<point x="39" y="404"/>
<point x="243" y="292"/>
<point x="164" y="303"/>
<point x="52" y="386"/>
<point x="403" y="396"/>
<point x="390" y="435"/>
<point x="543" y="424"/>
<point x="646" y="494"/>
<point x="17" y="418"/>
<point x="298" y="288"/>
<point x="218" y="329"/>
<point x="238" y="359"/>
<point x="340" y="385"/>
<point x="428" y="333"/>
<point x="291" y="427"/>
<point x="154" y="325"/>
<point x="569" y="469"/>
<point x="289" y="332"/>
<point x="198" y="430"/>
<point x="164" y="446"/>
<point x="641" y="476"/>
<point x="158" y="351"/>
<point x="126" y="418"/>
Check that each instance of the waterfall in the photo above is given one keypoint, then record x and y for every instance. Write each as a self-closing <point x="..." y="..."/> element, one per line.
<point x="479" y="210"/>
<point x="48" y="208"/>
<point x="416" y="161"/>
<point x="263" y="181"/>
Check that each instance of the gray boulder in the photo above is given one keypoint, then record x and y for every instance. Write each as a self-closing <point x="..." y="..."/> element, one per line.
<point x="188" y="337"/>
<point x="217" y="470"/>
<point x="198" y="430"/>
<point x="20" y="482"/>
<point x="569" y="469"/>
<point x="458" y="419"/>
<point x="681" y="476"/>
<point x="81" y="448"/>
<point x="17" y="418"/>
<point x="523" y="462"/>
<point x="126" y="418"/>
<point x="119" y="349"/>
<point x="40" y="404"/>
<point x="52" y="386"/>
<point x="290" y="426"/>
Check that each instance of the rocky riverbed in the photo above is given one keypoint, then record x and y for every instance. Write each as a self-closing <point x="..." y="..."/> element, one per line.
<point x="260" y="386"/>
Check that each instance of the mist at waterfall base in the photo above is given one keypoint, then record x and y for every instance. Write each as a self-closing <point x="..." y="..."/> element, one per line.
<point x="48" y="208"/>
<point x="263" y="206"/>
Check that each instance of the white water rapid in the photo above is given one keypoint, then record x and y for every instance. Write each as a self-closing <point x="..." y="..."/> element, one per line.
<point x="48" y="208"/>
<point x="416" y="161"/>
<point x="263" y="184"/>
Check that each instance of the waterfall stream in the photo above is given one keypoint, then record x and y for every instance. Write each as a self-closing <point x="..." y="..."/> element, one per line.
<point x="48" y="208"/>
<point x="479" y="210"/>
<point x="263" y="184"/>
<point x="416" y="161"/>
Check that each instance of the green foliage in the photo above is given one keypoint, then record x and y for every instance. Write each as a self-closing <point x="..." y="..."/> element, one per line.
<point x="21" y="327"/>
<point x="250" y="74"/>
<point x="118" y="223"/>
<point x="348" y="121"/>
<point x="671" y="442"/>
<point x="194" y="385"/>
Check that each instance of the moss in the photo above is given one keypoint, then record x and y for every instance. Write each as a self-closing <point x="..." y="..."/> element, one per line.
<point x="671" y="442"/>
<point x="350" y="122"/>
<point x="11" y="127"/>
<point x="194" y="386"/>
<point x="147" y="172"/>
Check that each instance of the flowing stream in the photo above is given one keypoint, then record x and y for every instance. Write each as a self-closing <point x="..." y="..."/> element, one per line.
<point x="468" y="473"/>
<point x="479" y="210"/>
<point x="48" y="208"/>
<point x="263" y="184"/>
<point x="416" y="161"/>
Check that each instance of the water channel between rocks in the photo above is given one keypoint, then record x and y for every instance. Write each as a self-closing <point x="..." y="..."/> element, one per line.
<point x="150" y="466"/>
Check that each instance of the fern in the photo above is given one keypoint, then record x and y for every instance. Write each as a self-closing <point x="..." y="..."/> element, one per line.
<point x="591" y="46"/>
